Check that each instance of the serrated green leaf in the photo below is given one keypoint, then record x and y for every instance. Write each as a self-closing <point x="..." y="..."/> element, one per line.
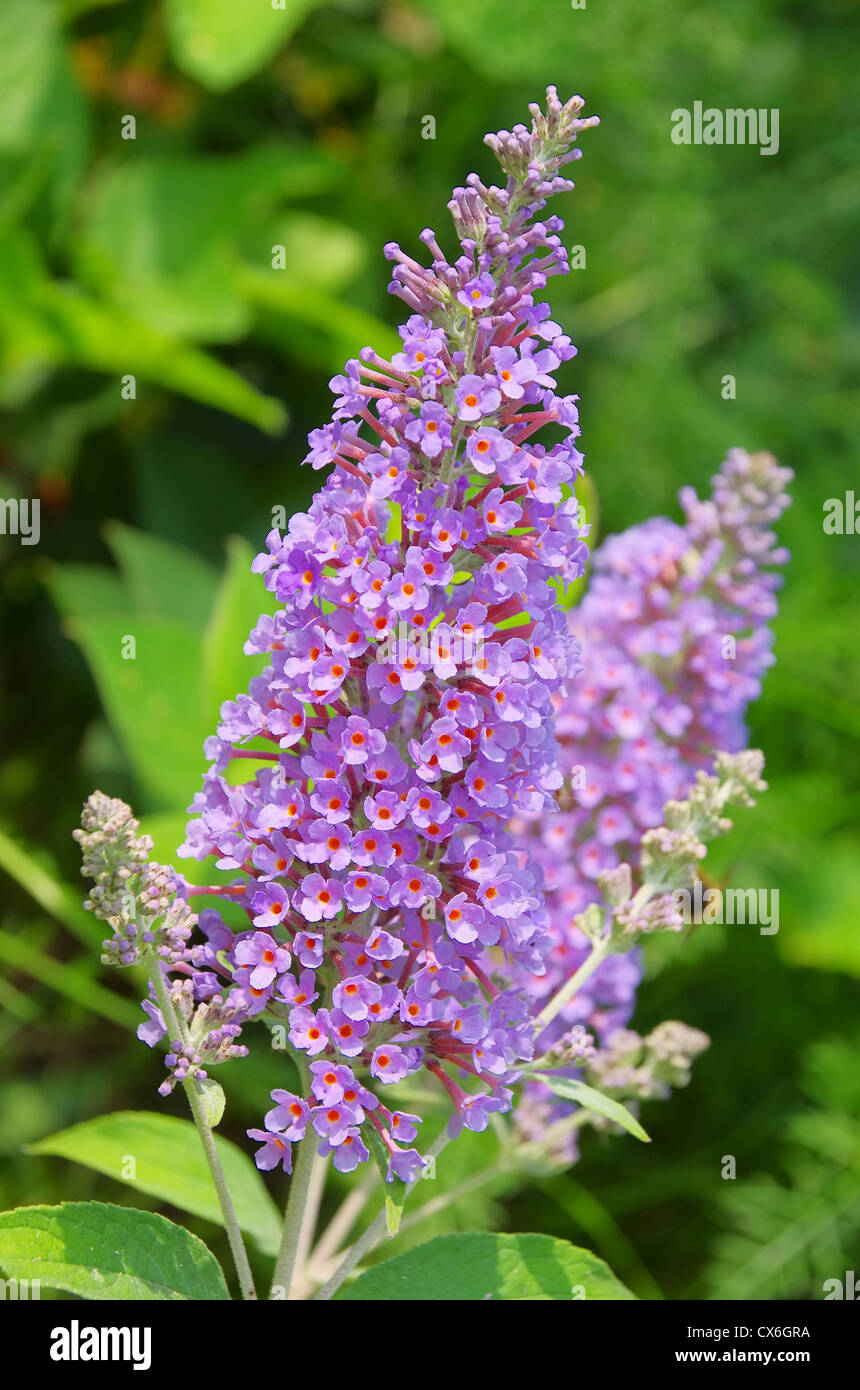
<point x="484" y="1266"/>
<point x="169" y="1164"/>
<point x="104" y="1252"/>
<point x="592" y="1099"/>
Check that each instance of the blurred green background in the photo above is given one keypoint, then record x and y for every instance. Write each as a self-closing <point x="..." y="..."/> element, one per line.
<point x="151" y="258"/>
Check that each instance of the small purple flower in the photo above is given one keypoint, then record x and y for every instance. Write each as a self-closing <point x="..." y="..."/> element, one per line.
<point x="318" y="898"/>
<point x="308" y="1030"/>
<point x="349" y="1152"/>
<point x="267" y="957"/>
<point x="153" y="1031"/>
<point x="347" y="1033"/>
<point x="474" y="1113"/>
<point x="388" y="1064"/>
<point x="478" y="293"/>
<point x="404" y="1126"/>
<point x="289" y="1117"/>
<point x="414" y="887"/>
<point x="270" y="905"/>
<point x="331" y="800"/>
<point x="308" y="947"/>
<point x="475" y="397"/>
<point x="498" y="514"/>
<point x="355" y="995"/>
<point x="405" y="1164"/>
<point x="513" y="374"/>
<point x="274" y="1150"/>
<point x="486" y="447"/>
<point x="298" y="992"/>
<point x="332" y="1122"/>
<point x="430" y="430"/>
<point x="359" y="740"/>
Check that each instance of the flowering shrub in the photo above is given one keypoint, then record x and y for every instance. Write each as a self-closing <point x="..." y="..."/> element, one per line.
<point x="415" y="877"/>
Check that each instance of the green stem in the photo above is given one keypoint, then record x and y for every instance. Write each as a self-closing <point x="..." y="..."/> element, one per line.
<point x="365" y="1243"/>
<point x="599" y="951"/>
<point x="340" y="1226"/>
<point x="297" y="1202"/>
<point x="447" y="1199"/>
<point x="175" y="1029"/>
<point x="374" y="1233"/>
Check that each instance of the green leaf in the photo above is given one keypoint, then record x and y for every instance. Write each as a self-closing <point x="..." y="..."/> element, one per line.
<point x="395" y="1192"/>
<point x="104" y="1252"/>
<point x="240" y="600"/>
<point x="78" y="590"/>
<point x="220" y="43"/>
<point x="163" y="580"/>
<point x="523" y="45"/>
<point x="214" y="1101"/>
<point x="152" y="700"/>
<point x="591" y="1099"/>
<point x="43" y="117"/>
<point x="484" y="1266"/>
<point x="311" y="323"/>
<point x="104" y="337"/>
<point x="317" y="252"/>
<point x="44" y="324"/>
<point x="20" y="952"/>
<point x="169" y="1164"/>
<point x="47" y="888"/>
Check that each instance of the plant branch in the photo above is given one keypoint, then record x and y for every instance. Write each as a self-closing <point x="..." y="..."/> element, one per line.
<point x="207" y="1138"/>
<point x="298" y="1204"/>
<point x="598" y="954"/>
<point x="374" y="1233"/>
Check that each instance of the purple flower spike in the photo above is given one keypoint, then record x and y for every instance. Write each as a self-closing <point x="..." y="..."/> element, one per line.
<point x="676" y="636"/>
<point x="405" y="713"/>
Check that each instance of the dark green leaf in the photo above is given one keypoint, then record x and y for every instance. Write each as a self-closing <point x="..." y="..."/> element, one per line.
<point x="487" y="1266"/>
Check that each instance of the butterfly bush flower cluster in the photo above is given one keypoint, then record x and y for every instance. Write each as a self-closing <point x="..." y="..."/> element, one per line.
<point x="405" y="714"/>
<point x="676" y="640"/>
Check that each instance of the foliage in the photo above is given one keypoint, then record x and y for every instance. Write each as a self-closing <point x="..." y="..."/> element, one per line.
<point x="153" y="258"/>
